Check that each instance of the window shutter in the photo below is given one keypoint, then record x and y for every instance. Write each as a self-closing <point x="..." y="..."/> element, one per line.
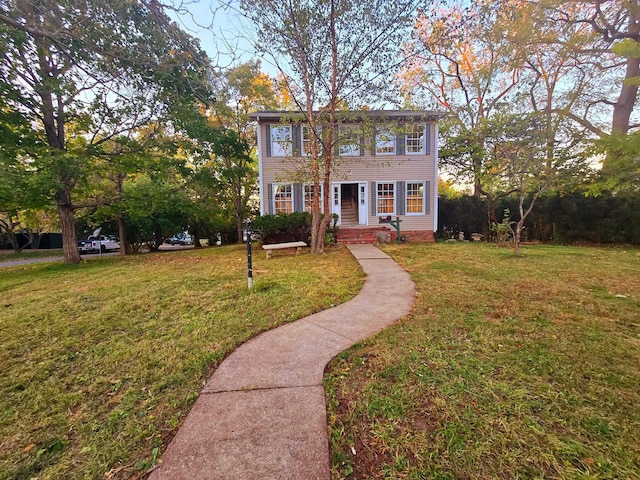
<point x="361" y="145"/>
<point x="374" y="198"/>
<point x="298" y="198"/>
<point x="296" y="133"/>
<point x="268" y="142"/>
<point x="399" y="143"/>
<point x="373" y="143"/>
<point x="427" y="140"/>
<point x="269" y="204"/>
<point x="400" y="201"/>
<point x="427" y="193"/>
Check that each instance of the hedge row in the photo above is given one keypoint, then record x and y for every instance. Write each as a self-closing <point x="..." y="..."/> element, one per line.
<point x="570" y="218"/>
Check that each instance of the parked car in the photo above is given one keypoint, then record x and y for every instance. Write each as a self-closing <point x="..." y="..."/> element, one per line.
<point x="96" y="244"/>
<point x="182" y="238"/>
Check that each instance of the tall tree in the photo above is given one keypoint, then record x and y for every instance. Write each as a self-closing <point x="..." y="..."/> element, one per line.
<point x="88" y="71"/>
<point x="614" y="54"/>
<point x="244" y="89"/>
<point x="464" y="63"/>
<point x="330" y="53"/>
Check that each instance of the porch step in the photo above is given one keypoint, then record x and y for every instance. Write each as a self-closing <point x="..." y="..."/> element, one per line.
<point x="351" y="235"/>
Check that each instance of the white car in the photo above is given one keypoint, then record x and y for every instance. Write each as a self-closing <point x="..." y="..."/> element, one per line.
<point x="103" y="243"/>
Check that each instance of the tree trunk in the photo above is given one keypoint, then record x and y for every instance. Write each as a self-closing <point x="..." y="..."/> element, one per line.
<point x="623" y="108"/>
<point x="122" y="235"/>
<point x="68" y="223"/>
<point x="516" y="237"/>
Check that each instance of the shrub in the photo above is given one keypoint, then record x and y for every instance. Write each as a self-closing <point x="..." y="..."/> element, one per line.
<point x="282" y="227"/>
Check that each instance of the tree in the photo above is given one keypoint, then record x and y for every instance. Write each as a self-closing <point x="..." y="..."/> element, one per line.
<point x="464" y="63"/>
<point x="520" y="166"/>
<point x="245" y="89"/>
<point x="330" y="54"/>
<point x="88" y="71"/>
<point x="613" y="53"/>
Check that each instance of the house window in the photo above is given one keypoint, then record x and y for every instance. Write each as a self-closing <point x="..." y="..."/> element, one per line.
<point x="283" y="198"/>
<point x="305" y="140"/>
<point x="414" y="140"/>
<point x="385" y="143"/>
<point x="281" y="141"/>
<point x="415" y="198"/>
<point x="308" y="198"/>
<point x="385" y="198"/>
<point x="349" y="142"/>
<point x="305" y="133"/>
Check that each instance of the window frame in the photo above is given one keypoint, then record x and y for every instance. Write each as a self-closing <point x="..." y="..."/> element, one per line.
<point x="408" y="136"/>
<point x="275" y="200"/>
<point x="393" y="198"/>
<point x="391" y="140"/>
<point x="424" y="197"/>
<point x="284" y="147"/>
<point x="354" y="146"/>
<point x="303" y="150"/>
<point x="304" y="197"/>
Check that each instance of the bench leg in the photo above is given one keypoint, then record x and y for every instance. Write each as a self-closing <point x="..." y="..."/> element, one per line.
<point x="268" y="254"/>
<point x="298" y="250"/>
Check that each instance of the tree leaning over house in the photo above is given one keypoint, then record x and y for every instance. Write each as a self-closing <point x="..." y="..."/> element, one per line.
<point x="88" y="71"/>
<point x="330" y="54"/>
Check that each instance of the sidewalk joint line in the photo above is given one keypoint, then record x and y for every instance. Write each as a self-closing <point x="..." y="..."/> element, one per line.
<point x="261" y="389"/>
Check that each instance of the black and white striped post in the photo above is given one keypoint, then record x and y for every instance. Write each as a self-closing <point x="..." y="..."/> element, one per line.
<point x="247" y="238"/>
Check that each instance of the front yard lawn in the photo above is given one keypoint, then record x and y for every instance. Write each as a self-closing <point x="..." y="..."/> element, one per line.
<point x="509" y="367"/>
<point x="100" y="362"/>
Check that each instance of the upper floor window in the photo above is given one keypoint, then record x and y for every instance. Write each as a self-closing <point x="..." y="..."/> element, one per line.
<point x="349" y="145"/>
<point x="385" y="143"/>
<point x="305" y="141"/>
<point x="414" y="139"/>
<point x="281" y="140"/>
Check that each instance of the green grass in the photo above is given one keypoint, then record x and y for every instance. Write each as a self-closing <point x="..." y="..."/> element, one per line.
<point x="6" y="255"/>
<point x="509" y="367"/>
<point x="100" y="362"/>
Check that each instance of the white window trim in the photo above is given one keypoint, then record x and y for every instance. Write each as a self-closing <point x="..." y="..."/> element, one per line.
<point x="406" y="198"/>
<point x="273" y="199"/>
<point x="424" y="143"/>
<point x="392" y="139"/>
<point x="395" y="198"/>
<point x="290" y="143"/>
<point x="304" y="196"/>
<point x="353" y="152"/>
<point x="303" y="152"/>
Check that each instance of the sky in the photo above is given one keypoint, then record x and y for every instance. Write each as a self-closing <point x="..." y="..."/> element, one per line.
<point x="222" y="32"/>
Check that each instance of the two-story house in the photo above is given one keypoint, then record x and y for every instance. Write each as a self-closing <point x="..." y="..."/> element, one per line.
<point x="386" y="165"/>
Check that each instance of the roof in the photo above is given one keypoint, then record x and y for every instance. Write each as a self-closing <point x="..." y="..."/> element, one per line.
<point x="356" y="115"/>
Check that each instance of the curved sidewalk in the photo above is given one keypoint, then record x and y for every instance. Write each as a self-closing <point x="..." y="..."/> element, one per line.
<point x="262" y="415"/>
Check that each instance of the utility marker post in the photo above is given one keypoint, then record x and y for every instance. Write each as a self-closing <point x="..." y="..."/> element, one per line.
<point x="249" y="265"/>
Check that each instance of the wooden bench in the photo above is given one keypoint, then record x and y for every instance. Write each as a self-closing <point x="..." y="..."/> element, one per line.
<point x="279" y="246"/>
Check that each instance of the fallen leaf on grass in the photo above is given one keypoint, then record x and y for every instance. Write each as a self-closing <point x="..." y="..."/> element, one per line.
<point x="28" y="448"/>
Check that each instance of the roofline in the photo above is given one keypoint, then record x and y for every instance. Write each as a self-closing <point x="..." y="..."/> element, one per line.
<point x="269" y="115"/>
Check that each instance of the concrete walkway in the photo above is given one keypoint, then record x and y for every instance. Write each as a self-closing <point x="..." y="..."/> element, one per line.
<point x="262" y="415"/>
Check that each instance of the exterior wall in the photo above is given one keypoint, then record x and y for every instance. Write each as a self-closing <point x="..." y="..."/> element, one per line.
<point x="364" y="168"/>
